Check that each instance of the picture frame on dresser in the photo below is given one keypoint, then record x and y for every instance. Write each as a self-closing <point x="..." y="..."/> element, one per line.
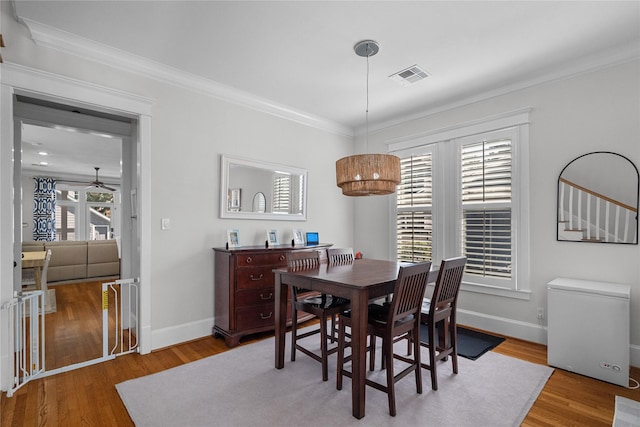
<point x="233" y="238"/>
<point x="298" y="239"/>
<point x="272" y="237"/>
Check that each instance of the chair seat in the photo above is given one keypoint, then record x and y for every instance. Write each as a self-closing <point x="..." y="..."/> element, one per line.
<point x="379" y="313"/>
<point x="324" y="301"/>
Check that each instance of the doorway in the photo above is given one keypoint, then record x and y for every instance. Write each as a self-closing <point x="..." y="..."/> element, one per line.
<point x="33" y="83"/>
<point x="73" y="139"/>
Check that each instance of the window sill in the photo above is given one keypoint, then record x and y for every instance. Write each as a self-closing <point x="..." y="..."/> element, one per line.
<point x="497" y="291"/>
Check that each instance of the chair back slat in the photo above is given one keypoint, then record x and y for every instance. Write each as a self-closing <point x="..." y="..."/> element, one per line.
<point x="447" y="287"/>
<point x="409" y="291"/>
<point x="302" y="260"/>
<point x="340" y="255"/>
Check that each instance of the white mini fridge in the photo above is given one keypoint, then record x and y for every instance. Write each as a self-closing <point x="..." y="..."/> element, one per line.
<point x="588" y="328"/>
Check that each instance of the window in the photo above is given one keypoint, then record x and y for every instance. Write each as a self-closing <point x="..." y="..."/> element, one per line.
<point x="464" y="194"/>
<point x="287" y="194"/>
<point x="486" y="206"/>
<point x="281" y="193"/>
<point x="85" y="215"/>
<point x="414" y="204"/>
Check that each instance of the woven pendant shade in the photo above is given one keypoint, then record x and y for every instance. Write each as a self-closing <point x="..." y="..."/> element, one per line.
<point x="368" y="174"/>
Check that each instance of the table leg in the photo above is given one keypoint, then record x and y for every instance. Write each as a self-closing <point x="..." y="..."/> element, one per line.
<point x="37" y="275"/>
<point x="359" y="318"/>
<point x="281" y="291"/>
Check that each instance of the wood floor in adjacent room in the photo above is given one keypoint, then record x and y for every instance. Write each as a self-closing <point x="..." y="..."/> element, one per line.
<point x="88" y="397"/>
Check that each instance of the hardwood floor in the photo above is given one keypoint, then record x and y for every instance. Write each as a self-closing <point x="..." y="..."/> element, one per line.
<point x="87" y="396"/>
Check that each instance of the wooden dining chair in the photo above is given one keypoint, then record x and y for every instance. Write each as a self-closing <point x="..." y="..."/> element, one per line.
<point x="439" y="316"/>
<point x="340" y="255"/>
<point x="401" y="317"/>
<point x="43" y="275"/>
<point x="323" y="306"/>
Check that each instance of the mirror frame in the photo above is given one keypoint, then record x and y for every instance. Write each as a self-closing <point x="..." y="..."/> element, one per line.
<point x="637" y="200"/>
<point x="227" y="161"/>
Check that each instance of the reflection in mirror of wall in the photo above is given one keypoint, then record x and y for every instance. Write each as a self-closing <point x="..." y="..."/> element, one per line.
<point x="272" y="191"/>
<point x="598" y="199"/>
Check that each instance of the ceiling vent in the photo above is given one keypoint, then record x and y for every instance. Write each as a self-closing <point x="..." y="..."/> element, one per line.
<point x="409" y="76"/>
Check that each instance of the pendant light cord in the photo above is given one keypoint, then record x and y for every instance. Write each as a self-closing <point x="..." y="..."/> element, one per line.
<point x="366" y="145"/>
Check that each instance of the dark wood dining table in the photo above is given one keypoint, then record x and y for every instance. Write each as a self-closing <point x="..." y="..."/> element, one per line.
<point x="360" y="281"/>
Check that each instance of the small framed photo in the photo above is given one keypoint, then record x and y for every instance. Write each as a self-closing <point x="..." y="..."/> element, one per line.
<point x="233" y="238"/>
<point x="272" y="237"/>
<point x="298" y="239"/>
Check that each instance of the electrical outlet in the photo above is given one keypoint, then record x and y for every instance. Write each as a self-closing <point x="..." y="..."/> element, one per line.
<point x="540" y="312"/>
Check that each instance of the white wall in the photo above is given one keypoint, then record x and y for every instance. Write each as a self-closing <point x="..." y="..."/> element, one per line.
<point x="189" y="132"/>
<point x="594" y="111"/>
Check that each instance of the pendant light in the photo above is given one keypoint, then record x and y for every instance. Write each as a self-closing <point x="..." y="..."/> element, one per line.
<point x="368" y="174"/>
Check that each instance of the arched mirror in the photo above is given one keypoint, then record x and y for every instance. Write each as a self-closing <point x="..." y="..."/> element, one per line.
<point x="598" y="199"/>
<point x="259" y="202"/>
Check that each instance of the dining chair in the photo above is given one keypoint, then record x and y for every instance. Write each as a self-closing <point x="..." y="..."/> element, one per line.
<point x="439" y="316"/>
<point x="323" y="306"/>
<point x="340" y="255"/>
<point x="401" y="317"/>
<point x="43" y="275"/>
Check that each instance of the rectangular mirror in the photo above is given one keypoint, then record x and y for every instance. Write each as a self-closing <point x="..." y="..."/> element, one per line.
<point x="253" y="189"/>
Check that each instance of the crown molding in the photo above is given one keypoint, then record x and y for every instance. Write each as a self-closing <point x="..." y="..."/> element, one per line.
<point x="53" y="38"/>
<point x="605" y="59"/>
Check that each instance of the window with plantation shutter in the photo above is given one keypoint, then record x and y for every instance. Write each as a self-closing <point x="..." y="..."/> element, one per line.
<point x="281" y="193"/>
<point x="486" y="207"/>
<point x="466" y="194"/>
<point x="414" y="222"/>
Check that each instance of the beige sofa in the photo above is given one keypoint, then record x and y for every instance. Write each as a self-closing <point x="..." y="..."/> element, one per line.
<point x="76" y="261"/>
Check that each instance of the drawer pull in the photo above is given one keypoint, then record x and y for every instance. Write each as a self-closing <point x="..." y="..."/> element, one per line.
<point x="249" y="260"/>
<point x="268" y="297"/>
<point x="282" y="257"/>
<point x="256" y="278"/>
<point x="263" y="317"/>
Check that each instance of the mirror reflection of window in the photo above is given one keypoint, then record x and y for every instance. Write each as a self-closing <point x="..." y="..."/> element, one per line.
<point x="598" y="199"/>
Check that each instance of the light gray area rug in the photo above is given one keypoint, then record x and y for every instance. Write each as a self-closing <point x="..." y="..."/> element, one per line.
<point x="627" y="412"/>
<point x="241" y="387"/>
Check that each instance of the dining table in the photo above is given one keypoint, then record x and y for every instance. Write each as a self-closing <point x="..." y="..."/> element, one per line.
<point x="360" y="281"/>
<point x="34" y="260"/>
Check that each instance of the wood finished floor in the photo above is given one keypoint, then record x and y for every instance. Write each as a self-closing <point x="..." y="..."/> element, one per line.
<point x="87" y="396"/>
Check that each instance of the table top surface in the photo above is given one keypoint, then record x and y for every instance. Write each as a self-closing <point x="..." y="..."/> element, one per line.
<point x="33" y="259"/>
<point x="359" y="273"/>
<point x="34" y="256"/>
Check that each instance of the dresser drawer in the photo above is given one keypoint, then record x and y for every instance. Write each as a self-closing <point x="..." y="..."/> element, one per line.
<point x="255" y="278"/>
<point x="255" y="317"/>
<point x="253" y="297"/>
<point x="270" y="259"/>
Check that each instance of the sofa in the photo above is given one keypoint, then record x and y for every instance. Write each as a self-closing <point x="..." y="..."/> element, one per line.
<point x="79" y="260"/>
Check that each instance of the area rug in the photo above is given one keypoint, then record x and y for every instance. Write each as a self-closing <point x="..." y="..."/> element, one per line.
<point x="471" y="344"/>
<point x="241" y="387"/>
<point x="627" y="413"/>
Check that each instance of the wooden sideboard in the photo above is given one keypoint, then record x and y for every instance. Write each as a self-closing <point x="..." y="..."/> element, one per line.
<point x="244" y="289"/>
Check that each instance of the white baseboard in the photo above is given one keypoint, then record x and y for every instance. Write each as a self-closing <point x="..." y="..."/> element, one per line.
<point x="525" y="331"/>
<point x="178" y="334"/>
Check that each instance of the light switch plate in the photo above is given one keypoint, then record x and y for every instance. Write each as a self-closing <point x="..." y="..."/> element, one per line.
<point x="166" y="223"/>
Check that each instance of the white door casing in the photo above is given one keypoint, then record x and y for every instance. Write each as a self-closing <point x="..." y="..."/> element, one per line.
<point x="20" y="80"/>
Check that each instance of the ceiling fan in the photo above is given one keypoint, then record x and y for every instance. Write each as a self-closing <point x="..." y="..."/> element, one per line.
<point x="99" y="184"/>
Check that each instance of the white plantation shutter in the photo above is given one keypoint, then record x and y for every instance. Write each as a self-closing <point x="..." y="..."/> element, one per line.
<point x="414" y="200"/>
<point x="282" y="193"/>
<point x="486" y="207"/>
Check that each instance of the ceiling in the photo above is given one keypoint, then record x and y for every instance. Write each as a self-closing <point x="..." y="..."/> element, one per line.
<point x="299" y="55"/>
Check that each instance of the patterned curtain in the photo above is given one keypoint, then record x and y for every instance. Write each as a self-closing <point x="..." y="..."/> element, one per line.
<point x="44" y="209"/>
